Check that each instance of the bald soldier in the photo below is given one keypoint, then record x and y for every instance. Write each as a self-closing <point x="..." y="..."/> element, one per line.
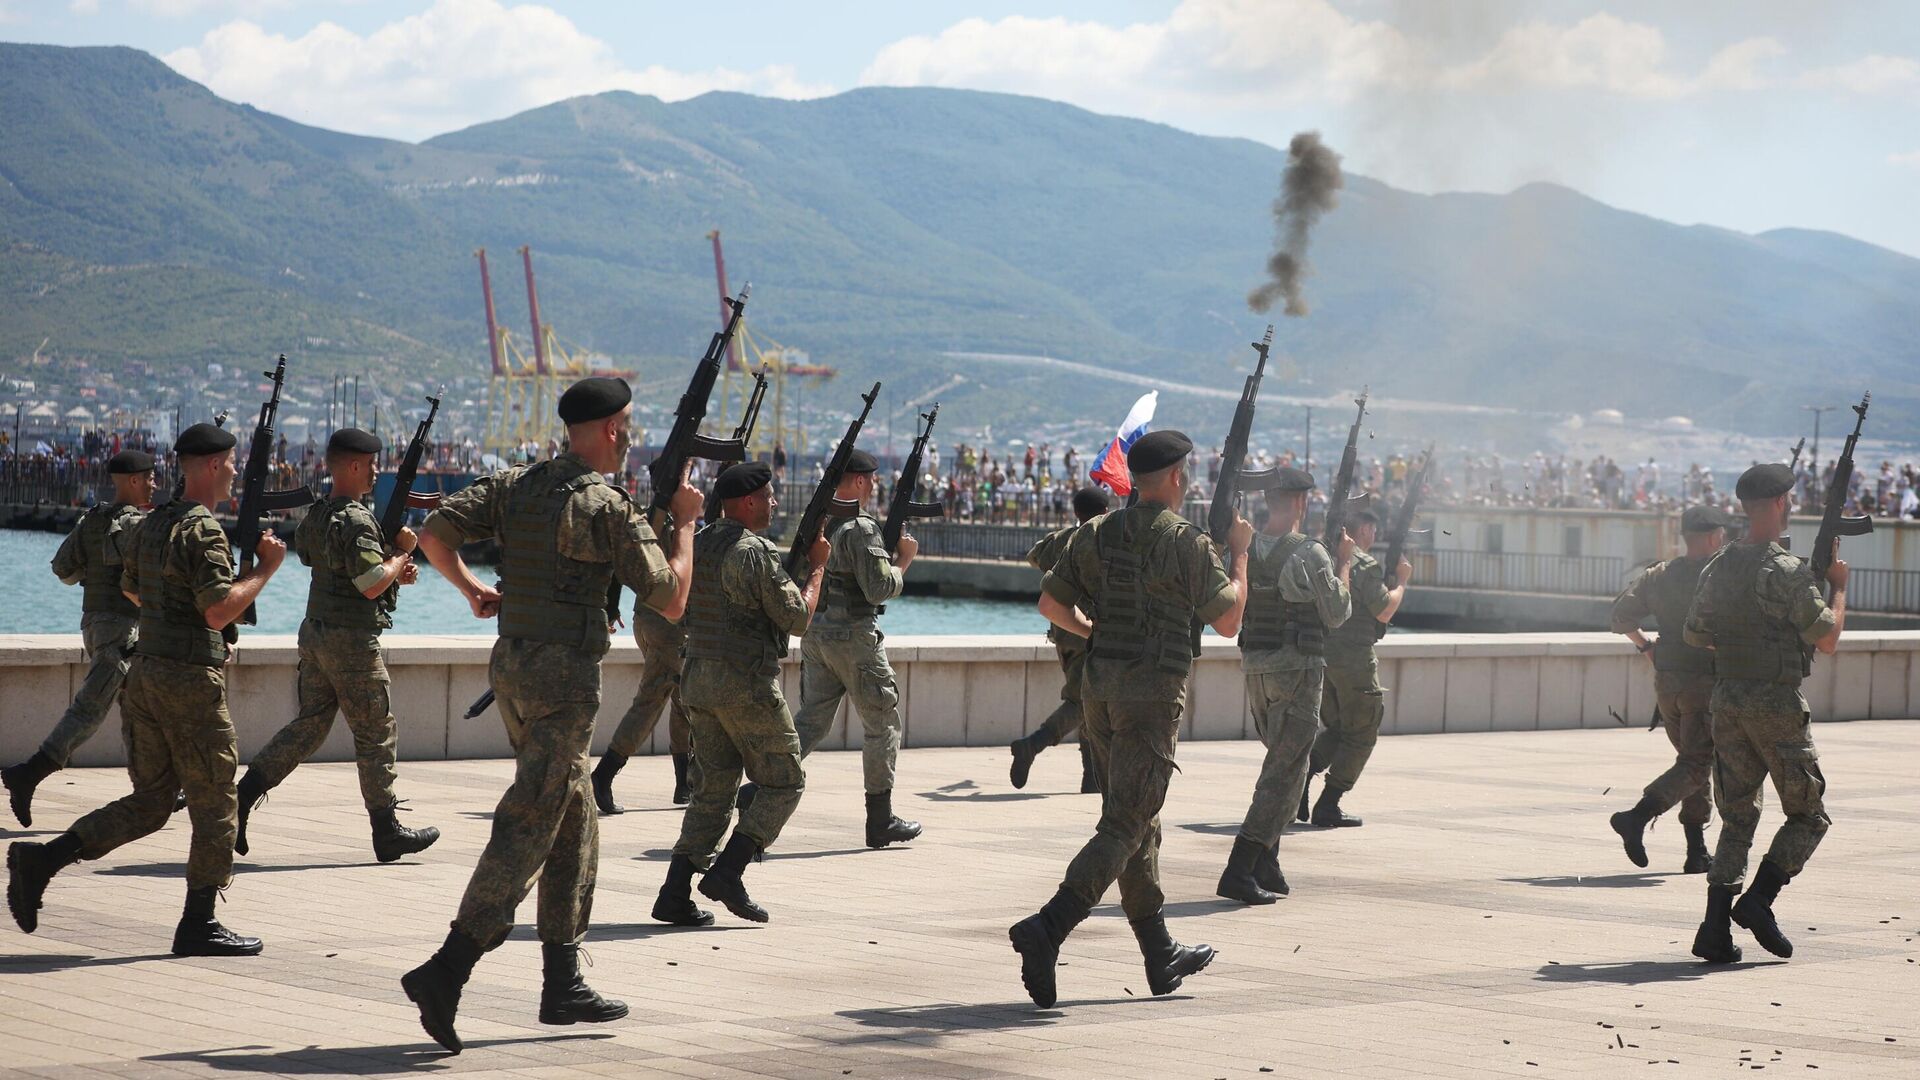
<point x="1683" y="686"/>
<point x="1297" y="593"/>
<point x="565" y="535"/>
<point x="356" y="582"/>
<point x="92" y="557"/>
<point x="1760" y="610"/>
<point x="1149" y="575"/>
<point x="179" y="572"/>
<point x="1071" y="649"/>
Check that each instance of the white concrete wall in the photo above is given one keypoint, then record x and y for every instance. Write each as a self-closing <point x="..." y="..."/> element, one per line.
<point x="987" y="690"/>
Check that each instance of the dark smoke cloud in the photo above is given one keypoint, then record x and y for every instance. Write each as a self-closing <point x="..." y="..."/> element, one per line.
<point x="1309" y="187"/>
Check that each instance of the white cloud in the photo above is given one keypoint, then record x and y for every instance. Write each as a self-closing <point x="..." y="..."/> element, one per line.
<point x="183" y="9"/>
<point x="458" y="62"/>
<point x="1875" y="74"/>
<point x="1908" y="160"/>
<point x="84" y="7"/>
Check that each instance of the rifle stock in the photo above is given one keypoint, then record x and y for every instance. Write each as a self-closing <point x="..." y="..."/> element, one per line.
<point x="825" y="503"/>
<point x="902" y="507"/>
<point x="1834" y="522"/>
<point x="255" y="499"/>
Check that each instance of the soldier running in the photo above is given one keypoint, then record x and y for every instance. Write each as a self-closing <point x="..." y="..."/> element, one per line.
<point x="660" y="643"/>
<point x="1088" y="503"/>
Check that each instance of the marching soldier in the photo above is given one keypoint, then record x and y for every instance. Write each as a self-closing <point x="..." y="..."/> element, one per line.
<point x="1088" y="503"/>
<point x="740" y="614"/>
<point x="660" y="643"/>
<point x="565" y="534"/>
<point x="1683" y="684"/>
<point x="1297" y="593"/>
<point x="91" y="557"/>
<point x="351" y="600"/>
<point x="1352" y="700"/>
<point x="1760" y="611"/>
<point x="179" y="570"/>
<point x="1150" y="575"/>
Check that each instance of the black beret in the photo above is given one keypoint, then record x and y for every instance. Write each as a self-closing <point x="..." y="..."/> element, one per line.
<point x="1157" y="450"/>
<point x="1286" y="478"/>
<point x="202" y="439"/>
<point x="129" y="461"/>
<point x="353" y="441"/>
<point x="1764" y="482"/>
<point x="595" y="398"/>
<point x="1703" y="518"/>
<point x="1090" y="502"/>
<point x="861" y="462"/>
<point x="743" y="479"/>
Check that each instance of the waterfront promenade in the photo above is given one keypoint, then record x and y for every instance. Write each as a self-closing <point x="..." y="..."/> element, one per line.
<point x="1483" y="923"/>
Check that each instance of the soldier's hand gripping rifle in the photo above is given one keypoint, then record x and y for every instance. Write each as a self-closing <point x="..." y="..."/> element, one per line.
<point x="902" y="507"/>
<point x="1402" y="527"/>
<point x="744" y="433"/>
<point x="1834" y="523"/>
<point x="825" y="502"/>
<point x="1343" y="480"/>
<point x="403" y="498"/>
<point x="255" y="499"/>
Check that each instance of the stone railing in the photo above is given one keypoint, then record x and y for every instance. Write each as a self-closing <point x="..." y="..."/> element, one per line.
<point x="986" y="691"/>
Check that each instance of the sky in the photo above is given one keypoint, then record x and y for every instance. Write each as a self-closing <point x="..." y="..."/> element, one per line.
<point x="1752" y="115"/>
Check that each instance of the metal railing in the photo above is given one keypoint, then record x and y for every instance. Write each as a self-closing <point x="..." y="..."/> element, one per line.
<point x="1887" y="592"/>
<point x="1564" y="575"/>
<point x="52" y="481"/>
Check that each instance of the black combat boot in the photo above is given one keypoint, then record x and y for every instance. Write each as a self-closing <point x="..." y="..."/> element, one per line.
<point x="1326" y="810"/>
<point x="603" y="774"/>
<point x="1266" y="871"/>
<point x="1024" y="751"/>
<point x="200" y="935"/>
<point x="391" y="839"/>
<point x="21" y="779"/>
<point x="675" y="903"/>
<point x="29" y="867"/>
<point x="252" y="789"/>
<point x="1237" y="881"/>
<point x="743" y="798"/>
<point x="883" y="827"/>
<point x="1091" y="782"/>
<point x="1713" y="942"/>
<point x="1305" y="813"/>
<point x="723" y="881"/>
<point x="435" y="986"/>
<point x="682" y="792"/>
<point x="1168" y="961"/>
<point x="565" y="997"/>
<point x="1630" y="824"/>
<point x="1755" y="909"/>
<point x="1037" y="938"/>
<point x="1698" y="860"/>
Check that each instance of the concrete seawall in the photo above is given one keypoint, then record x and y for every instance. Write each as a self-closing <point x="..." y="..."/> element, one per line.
<point x="987" y="690"/>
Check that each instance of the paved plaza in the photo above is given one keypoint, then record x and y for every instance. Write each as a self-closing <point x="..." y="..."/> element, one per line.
<point x="1483" y="922"/>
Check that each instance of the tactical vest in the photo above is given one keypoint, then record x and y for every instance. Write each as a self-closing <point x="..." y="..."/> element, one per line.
<point x="718" y="629"/>
<point x="333" y="598"/>
<point x="171" y="625"/>
<point x="840" y="590"/>
<point x="1670" y="594"/>
<point x="1139" y="623"/>
<point x="100" y="585"/>
<point x="1270" y="621"/>
<point x="1356" y="636"/>
<point x="544" y="595"/>
<point x="1054" y="634"/>
<point x="1748" y="643"/>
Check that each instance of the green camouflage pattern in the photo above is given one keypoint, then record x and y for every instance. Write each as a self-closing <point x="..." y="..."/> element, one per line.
<point x="660" y="642"/>
<point x="855" y="552"/>
<point x="109" y="641"/>
<point x="1286" y="715"/>
<point x="1069" y="648"/>
<point x="1132" y="745"/>
<point x="1306" y="578"/>
<point x="92" y="556"/>
<point x="1350" y="644"/>
<point x="179" y="563"/>
<point x="1761" y="731"/>
<point x="341" y="671"/>
<point x="1686" y="702"/>
<point x="1784" y="593"/>
<point x="1352" y="703"/>
<point x="851" y="662"/>
<point x="341" y="541"/>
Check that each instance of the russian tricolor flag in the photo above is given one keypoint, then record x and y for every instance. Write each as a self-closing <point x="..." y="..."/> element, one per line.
<point x="1110" y="466"/>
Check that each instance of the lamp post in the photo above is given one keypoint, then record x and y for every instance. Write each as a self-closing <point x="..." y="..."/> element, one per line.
<point x="1817" y="410"/>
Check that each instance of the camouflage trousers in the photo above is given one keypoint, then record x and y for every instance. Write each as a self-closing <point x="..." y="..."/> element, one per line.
<point x="756" y="738"/>
<point x="1351" y="705"/>
<point x="341" y="670"/>
<point x="659" y="643"/>
<point x="179" y="739"/>
<point x="1065" y="718"/>
<point x="1762" y="730"/>
<point x="1685" y="702"/>
<point x="108" y="639"/>
<point x="545" y="828"/>
<point x="1132" y="743"/>
<point x="1286" y="714"/>
<point x="834" y="664"/>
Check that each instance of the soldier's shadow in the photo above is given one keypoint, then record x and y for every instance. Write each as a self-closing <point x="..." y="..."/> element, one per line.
<point x="180" y="869"/>
<point x="953" y="1017"/>
<point x="954" y="793"/>
<point x="347" y="1060"/>
<point x="1639" y="972"/>
<point x="35" y="964"/>
<point x="630" y="931"/>
<point x="1607" y="881"/>
<point x="1178" y="909"/>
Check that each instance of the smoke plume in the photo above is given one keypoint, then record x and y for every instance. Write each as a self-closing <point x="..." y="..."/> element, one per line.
<point x="1309" y="187"/>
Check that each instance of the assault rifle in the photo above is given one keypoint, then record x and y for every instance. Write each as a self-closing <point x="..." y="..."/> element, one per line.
<point x="255" y="499"/>
<point x="1794" y="463"/>
<point x="825" y="503"/>
<point x="403" y="497"/>
<point x="684" y="442"/>
<point x="1834" y="523"/>
<point x="1402" y="527"/>
<point x="902" y="507"/>
<point x="1233" y="455"/>
<point x="749" y="416"/>
<point x="1343" y="480"/>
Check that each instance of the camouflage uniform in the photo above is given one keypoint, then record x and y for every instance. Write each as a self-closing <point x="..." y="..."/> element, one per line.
<point x="92" y="557"/>
<point x="564" y="534"/>
<point x="740" y="612"/>
<point x="660" y="642"/>
<point x="1293" y="598"/>
<point x="1070" y="648"/>
<point x="842" y="654"/>
<point x="341" y="669"/>
<point x="1352" y="700"/>
<point x="174" y="709"/>
<point x="1150" y="574"/>
<point x="1760" y="611"/>
<point x="1682" y="683"/>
